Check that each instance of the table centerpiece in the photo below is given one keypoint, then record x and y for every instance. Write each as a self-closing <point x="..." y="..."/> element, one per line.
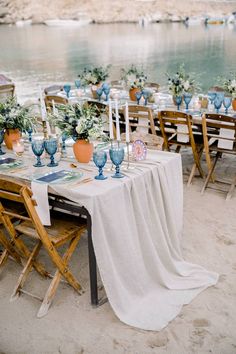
<point x="15" y="119"/>
<point x="94" y="77"/>
<point x="182" y="85"/>
<point x="134" y="79"/>
<point x="229" y="86"/>
<point x="83" y="124"/>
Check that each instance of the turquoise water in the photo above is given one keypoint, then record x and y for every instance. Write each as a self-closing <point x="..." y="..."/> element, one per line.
<point x="41" y="55"/>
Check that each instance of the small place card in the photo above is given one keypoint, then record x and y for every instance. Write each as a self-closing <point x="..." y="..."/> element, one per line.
<point x="53" y="176"/>
<point x="7" y="160"/>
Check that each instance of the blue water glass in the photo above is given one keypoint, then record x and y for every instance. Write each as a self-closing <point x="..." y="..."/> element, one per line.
<point x="146" y="95"/>
<point x="64" y="136"/>
<point x="117" y="156"/>
<point x="99" y="92"/>
<point x="227" y="103"/>
<point x="218" y="102"/>
<point x="106" y="90"/>
<point x="187" y="99"/>
<point x="67" y="89"/>
<point x="100" y="159"/>
<point x="38" y="148"/>
<point x="1" y="141"/>
<point x="51" y="149"/>
<point x="212" y="96"/>
<point x="178" y="100"/>
<point x="138" y="95"/>
<point x="77" y="83"/>
<point x="30" y="131"/>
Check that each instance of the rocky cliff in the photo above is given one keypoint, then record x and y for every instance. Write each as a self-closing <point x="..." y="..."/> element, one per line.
<point x="105" y="11"/>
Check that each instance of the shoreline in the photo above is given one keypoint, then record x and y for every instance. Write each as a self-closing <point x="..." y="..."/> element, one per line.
<point x="116" y="11"/>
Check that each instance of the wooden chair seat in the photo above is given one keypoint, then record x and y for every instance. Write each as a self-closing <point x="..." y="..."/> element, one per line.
<point x="62" y="228"/>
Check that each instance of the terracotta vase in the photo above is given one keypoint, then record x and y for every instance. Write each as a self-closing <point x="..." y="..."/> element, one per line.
<point x="83" y="150"/>
<point x="94" y="90"/>
<point x="11" y="135"/>
<point x="234" y="104"/>
<point x="132" y="93"/>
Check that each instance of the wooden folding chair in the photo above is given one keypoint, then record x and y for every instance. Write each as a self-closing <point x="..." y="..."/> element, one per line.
<point x="53" y="89"/>
<point x="64" y="229"/>
<point x="177" y="129"/>
<point x="140" y="119"/>
<point x="218" y="131"/>
<point x="58" y="100"/>
<point x="6" y="91"/>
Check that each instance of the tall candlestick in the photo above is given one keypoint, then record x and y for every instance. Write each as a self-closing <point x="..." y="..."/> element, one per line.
<point x="110" y="122"/>
<point x="117" y="122"/>
<point x="53" y="107"/>
<point x="42" y="106"/>
<point x="127" y="122"/>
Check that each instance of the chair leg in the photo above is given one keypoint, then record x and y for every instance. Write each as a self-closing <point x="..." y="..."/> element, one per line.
<point x="194" y="167"/>
<point x="9" y="250"/>
<point x="230" y="192"/>
<point x="210" y="174"/>
<point x="25" y="271"/>
<point x="49" y="296"/>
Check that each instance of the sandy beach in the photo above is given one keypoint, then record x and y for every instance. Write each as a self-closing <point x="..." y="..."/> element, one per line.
<point x="206" y="325"/>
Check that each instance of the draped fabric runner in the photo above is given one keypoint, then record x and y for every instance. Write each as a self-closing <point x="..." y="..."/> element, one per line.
<point x="137" y="226"/>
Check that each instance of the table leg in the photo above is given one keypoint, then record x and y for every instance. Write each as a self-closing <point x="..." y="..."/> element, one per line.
<point x="92" y="265"/>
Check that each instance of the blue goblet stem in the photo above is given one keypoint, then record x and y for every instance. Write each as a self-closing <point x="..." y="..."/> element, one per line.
<point x="178" y="106"/>
<point x="145" y="101"/>
<point x="38" y="163"/>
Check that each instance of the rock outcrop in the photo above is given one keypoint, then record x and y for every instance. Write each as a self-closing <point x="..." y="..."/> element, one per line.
<point x="106" y="11"/>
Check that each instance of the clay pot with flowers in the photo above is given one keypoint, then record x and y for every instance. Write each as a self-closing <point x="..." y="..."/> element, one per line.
<point x="94" y="77"/>
<point x="15" y="119"/>
<point x="134" y="79"/>
<point x="181" y="84"/>
<point x="83" y="124"/>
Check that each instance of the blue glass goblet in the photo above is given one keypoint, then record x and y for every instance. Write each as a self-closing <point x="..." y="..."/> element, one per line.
<point x="64" y="136"/>
<point x="117" y="156"/>
<point x="227" y="103"/>
<point x="178" y="100"/>
<point x="30" y="131"/>
<point x="100" y="159"/>
<point x="187" y="99"/>
<point x="146" y="95"/>
<point x="51" y="149"/>
<point x="99" y="92"/>
<point x="218" y="102"/>
<point x="1" y="141"/>
<point x="67" y="89"/>
<point x="212" y="96"/>
<point x="106" y="90"/>
<point x="77" y="83"/>
<point x="138" y="96"/>
<point x="38" y="148"/>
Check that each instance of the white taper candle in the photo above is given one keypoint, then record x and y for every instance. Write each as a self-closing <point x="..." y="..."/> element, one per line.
<point x="127" y="122"/>
<point x="110" y="121"/>
<point x="117" y="122"/>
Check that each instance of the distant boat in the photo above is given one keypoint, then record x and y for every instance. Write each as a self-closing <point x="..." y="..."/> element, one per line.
<point x="68" y="23"/>
<point x="23" y="23"/>
<point x="194" y="20"/>
<point x="215" y="21"/>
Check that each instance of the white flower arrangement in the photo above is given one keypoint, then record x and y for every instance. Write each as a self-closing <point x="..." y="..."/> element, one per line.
<point x="229" y="85"/>
<point x="133" y="77"/>
<point x="181" y="82"/>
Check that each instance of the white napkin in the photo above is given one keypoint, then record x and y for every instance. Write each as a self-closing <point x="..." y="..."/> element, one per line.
<point x="40" y="194"/>
<point x="226" y="144"/>
<point x="182" y="138"/>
